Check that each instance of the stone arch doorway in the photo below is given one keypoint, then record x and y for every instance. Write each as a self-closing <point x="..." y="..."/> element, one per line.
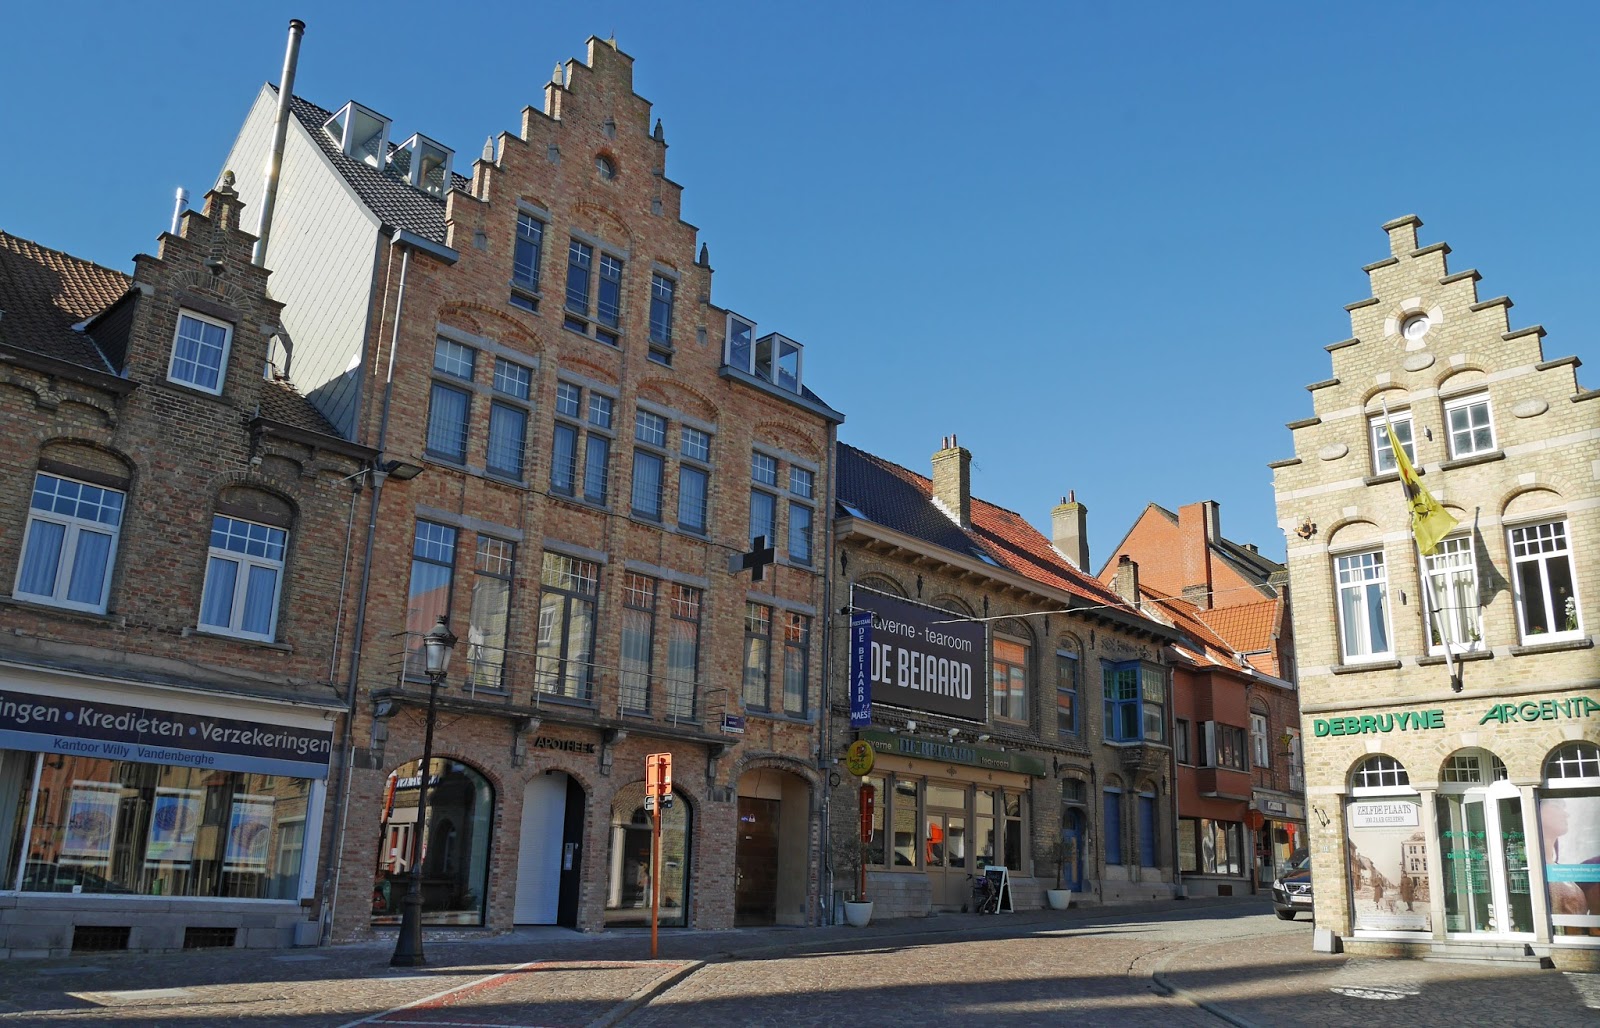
<point x="550" y="851"/>
<point x="772" y="849"/>
<point x="455" y="863"/>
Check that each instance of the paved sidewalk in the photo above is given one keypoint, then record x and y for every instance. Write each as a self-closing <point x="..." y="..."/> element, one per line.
<point x="1224" y="960"/>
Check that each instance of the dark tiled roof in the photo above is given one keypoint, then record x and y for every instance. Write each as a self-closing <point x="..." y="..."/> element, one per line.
<point x="902" y="500"/>
<point x="44" y="292"/>
<point x="390" y="199"/>
<point x="282" y="403"/>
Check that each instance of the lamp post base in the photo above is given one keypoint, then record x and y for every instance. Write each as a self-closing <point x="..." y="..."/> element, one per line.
<point x="408" y="946"/>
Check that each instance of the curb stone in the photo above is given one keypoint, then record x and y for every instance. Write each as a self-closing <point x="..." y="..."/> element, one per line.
<point x="645" y="994"/>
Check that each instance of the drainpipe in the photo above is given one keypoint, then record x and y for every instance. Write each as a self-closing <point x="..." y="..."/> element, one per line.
<point x="280" y="130"/>
<point x="825" y="713"/>
<point x="347" y="744"/>
<point x="1172" y="764"/>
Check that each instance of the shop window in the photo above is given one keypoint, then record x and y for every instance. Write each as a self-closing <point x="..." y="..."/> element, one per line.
<point x="135" y="829"/>
<point x="629" y="892"/>
<point x="1015" y="854"/>
<point x="1210" y="847"/>
<point x="1384" y="835"/>
<point x="1569" y="830"/>
<point x="987" y="842"/>
<point x="875" y="845"/>
<point x="455" y="862"/>
<point x="906" y="817"/>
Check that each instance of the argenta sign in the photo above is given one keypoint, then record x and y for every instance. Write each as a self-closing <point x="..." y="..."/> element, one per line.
<point x="924" y="658"/>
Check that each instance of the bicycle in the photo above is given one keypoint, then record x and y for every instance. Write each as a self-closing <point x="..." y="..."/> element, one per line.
<point x="985" y="895"/>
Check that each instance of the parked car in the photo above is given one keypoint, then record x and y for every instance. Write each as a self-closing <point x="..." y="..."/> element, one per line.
<point x="1291" y="890"/>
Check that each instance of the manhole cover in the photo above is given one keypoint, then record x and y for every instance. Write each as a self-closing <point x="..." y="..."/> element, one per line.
<point x="1367" y="993"/>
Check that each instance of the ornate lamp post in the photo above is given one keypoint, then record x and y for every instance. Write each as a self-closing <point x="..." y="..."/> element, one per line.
<point x="436" y="648"/>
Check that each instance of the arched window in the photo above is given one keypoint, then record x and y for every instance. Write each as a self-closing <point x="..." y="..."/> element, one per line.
<point x="1573" y="763"/>
<point x="455" y="870"/>
<point x="628" y="898"/>
<point x="1379" y="774"/>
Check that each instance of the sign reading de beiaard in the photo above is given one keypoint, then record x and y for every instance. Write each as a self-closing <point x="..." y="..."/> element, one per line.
<point x="924" y="658"/>
<point x="1528" y="711"/>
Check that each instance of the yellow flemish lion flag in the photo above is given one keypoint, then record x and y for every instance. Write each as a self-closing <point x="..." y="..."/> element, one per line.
<point x="1430" y="522"/>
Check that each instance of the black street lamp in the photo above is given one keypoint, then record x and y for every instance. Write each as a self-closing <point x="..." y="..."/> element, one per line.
<point x="436" y="648"/>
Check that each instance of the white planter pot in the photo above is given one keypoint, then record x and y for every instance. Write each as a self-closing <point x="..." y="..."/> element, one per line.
<point x="858" y="915"/>
<point x="1059" y="899"/>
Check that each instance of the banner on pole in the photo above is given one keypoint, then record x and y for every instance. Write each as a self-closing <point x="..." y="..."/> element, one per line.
<point x="860" y="668"/>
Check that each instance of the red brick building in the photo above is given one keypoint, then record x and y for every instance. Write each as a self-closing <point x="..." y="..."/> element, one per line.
<point x="592" y="441"/>
<point x="175" y="530"/>
<point x="1241" y="805"/>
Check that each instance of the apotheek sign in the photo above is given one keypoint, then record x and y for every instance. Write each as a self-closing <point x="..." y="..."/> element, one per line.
<point x="151" y="735"/>
<point x="924" y="658"/>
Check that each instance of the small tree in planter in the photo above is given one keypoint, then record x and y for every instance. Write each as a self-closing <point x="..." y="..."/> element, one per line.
<point x="1057" y="852"/>
<point x="850" y="859"/>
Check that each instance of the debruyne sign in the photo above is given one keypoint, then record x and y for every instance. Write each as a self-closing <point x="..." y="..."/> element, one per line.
<point x="924" y="658"/>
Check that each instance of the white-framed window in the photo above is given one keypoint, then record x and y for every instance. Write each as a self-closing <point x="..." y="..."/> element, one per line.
<point x="1546" y="592"/>
<point x="1382" y="453"/>
<point x="1453" y="581"/>
<point x="244" y="570"/>
<point x="1260" y="749"/>
<point x="1470" y="423"/>
<point x="70" y="543"/>
<point x="772" y="358"/>
<point x="1380" y="774"/>
<point x="1363" y="586"/>
<point x="1224" y="746"/>
<point x="200" y="352"/>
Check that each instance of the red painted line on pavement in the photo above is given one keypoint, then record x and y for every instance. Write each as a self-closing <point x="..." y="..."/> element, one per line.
<point x="440" y="998"/>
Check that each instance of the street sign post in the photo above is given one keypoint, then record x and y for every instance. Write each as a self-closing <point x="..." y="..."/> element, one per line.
<point x="658" y="794"/>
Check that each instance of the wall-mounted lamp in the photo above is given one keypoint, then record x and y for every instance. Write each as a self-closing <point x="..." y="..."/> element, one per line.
<point x="400" y="470"/>
<point x="952" y="733"/>
<point x="911" y="726"/>
<point x="984" y="737"/>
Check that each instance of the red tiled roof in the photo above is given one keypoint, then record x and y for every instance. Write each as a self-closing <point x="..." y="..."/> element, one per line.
<point x="901" y="499"/>
<point x="44" y="292"/>
<point x="1248" y="627"/>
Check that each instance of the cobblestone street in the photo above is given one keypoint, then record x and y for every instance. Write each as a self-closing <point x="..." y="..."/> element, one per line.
<point x="1200" y="963"/>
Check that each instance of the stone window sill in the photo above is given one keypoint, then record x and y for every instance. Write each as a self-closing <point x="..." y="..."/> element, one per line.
<point x="1529" y="649"/>
<point x="1435" y="659"/>
<point x="206" y="633"/>
<point x="1476" y="458"/>
<point x="114" y="620"/>
<point x="1356" y="669"/>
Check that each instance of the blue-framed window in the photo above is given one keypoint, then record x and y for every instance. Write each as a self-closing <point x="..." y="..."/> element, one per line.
<point x="1112" y="826"/>
<point x="1135" y="701"/>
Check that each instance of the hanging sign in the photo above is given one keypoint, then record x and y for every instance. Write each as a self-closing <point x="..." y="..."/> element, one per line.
<point x="860" y="668"/>
<point x="859" y="758"/>
<point x="923" y="658"/>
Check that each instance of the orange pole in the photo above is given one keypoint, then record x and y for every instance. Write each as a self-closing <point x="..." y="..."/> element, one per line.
<point x="655" y="876"/>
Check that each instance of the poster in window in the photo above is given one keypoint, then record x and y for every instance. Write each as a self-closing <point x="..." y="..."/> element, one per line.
<point x="249" y="834"/>
<point x="1570" y="827"/>
<point x="174" y="821"/>
<point x="1386" y="857"/>
<point x="91" y="823"/>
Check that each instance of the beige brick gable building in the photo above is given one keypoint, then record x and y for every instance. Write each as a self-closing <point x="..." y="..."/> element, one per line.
<point x="1451" y="703"/>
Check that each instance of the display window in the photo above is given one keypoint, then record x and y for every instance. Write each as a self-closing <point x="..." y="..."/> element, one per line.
<point x="1386" y="850"/>
<point x="628" y="898"/>
<point x="1569" y="830"/>
<point x="455" y="843"/>
<point x="90" y="825"/>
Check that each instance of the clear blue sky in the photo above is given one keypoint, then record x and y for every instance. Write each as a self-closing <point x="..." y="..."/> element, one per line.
<point x="1104" y="244"/>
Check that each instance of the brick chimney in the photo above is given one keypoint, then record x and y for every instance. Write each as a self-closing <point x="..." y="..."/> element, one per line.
<point x="1126" y="581"/>
<point x="1199" y="526"/>
<point x="952" y="481"/>
<point x="1069" y="531"/>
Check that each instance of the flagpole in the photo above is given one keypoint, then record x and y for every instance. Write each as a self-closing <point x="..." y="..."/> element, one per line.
<point x="1418" y="502"/>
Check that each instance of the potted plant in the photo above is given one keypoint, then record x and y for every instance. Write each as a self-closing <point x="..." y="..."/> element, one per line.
<point x="851" y="856"/>
<point x="1058" y="853"/>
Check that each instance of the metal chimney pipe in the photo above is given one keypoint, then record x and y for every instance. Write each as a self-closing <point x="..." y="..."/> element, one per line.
<point x="280" y="129"/>
<point x="179" y="205"/>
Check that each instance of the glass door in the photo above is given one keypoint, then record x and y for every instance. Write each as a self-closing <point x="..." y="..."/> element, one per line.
<point x="1485" y="853"/>
<point x="947" y="846"/>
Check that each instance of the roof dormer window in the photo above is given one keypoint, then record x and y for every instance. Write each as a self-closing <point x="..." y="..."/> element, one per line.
<point x="739" y="350"/>
<point x="423" y="164"/>
<point x="360" y="132"/>
<point x="778" y="361"/>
